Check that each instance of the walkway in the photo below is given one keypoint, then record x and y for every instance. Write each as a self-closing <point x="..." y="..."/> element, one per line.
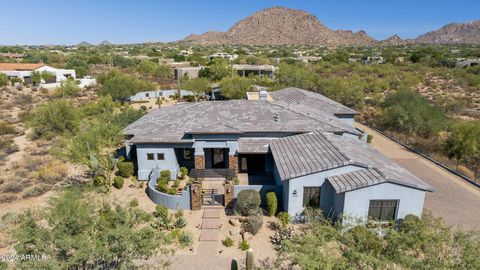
<point x="207" y="255"/>
<point x="455" y="200"/>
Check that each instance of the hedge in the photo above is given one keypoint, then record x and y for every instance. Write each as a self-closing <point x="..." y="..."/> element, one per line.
<point x="272" y="203"/>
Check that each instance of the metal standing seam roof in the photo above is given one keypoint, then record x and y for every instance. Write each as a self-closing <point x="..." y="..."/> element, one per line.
<point x="305" y="154"/>
<point x="356" y="180"/>
<point x="317" y="151"/>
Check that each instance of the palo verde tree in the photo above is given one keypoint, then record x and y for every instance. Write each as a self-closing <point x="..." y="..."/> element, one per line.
<point x="198" y="86"/>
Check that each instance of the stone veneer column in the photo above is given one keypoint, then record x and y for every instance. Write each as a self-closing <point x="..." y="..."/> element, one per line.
<point x="233" y="164"/>
<point x="196" y="195"/>
<point x="229" y="194"/>
<point x="199" y="162"/>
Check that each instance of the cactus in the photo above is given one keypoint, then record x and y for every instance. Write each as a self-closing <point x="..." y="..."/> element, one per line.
<point x="250" y="259"/>
<point x="234" y="265"/>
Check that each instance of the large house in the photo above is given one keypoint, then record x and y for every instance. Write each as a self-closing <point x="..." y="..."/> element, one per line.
<point x="23" y="71"/>
<point x="299" y="144"/>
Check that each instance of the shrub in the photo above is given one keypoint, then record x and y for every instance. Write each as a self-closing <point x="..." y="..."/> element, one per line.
<point x="179" y="213"/>
<point x="369" y="138"/>
<point x="284" y="218"/>
<point x="54" y="118"/>
<point x="161" y="181"/>
<point x="163" y="188"/>
<point x="161" y="211"/>
<point x="166" y="174"/>
<point x="125" y="168"/>
<point x="53" y="172"/>
<point x="236" y="181"/>
<point x="181" y="222"/>
<point x="6" y="198"/>
<point x="12" y="187"/>
<point x="185" y="239"/>
<point x="244" y="245"/>
<point x="176" y="183"/>
<point x="248" y="202"/>
<point x="118" y="182"/>
<point x="253" y="224"/>
<point x="228" y="242"/>
<point x="272" y="203"/>
<point x="183" y="172"/>
<point x="36" y="190"/>
<point x="99" y="180"/>
<point x="133" y="202"/>
<point x="172" y="191"/>
<point x="6" y="128"/>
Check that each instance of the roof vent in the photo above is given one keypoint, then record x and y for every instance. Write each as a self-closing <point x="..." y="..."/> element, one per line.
<point x="263" y="95"/>
<point x="276" y="118"/>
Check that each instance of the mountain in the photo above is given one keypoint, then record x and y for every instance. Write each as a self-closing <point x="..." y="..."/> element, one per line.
<point x="84" y="44"/>
<point x="394" y="41"/>
<point x="105" y="43"/>
<point x="281" y="26"/>
<point x="454" y="33"/>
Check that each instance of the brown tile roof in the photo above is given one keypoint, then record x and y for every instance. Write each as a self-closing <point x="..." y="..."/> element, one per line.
<point x="20" y="66"/>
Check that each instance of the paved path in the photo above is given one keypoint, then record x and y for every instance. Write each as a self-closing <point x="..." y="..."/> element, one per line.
<point x="207" y="255"/>
<point x="455" y="200"/>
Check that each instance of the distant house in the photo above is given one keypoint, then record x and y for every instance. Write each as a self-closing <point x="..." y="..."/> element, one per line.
<point x="146" y="95"/>
<point x="223" y="55"/>
<point x="470" y="62"/>
<point x="373" y="60"/>
<point x="191" y="72"/>
<point x="301" y="145"/>
<point x="16" y="56"/>
<point x="23" y="71"/>
<point x="256" y="70"/>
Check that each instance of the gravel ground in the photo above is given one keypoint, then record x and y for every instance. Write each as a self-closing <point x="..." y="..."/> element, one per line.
<point x="454" y="200"/>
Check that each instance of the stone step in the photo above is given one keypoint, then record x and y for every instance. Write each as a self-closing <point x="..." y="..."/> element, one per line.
<point x="209" y="235"/>
<point x="210" y="224"/>
<point x="212" y="213"/>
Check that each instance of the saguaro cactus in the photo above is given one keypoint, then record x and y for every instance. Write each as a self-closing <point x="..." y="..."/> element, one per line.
<point x="234" y="265"/>
<point x="250" y="259"/>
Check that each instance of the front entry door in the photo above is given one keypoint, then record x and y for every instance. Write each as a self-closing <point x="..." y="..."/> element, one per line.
<point x="218" y="158"/>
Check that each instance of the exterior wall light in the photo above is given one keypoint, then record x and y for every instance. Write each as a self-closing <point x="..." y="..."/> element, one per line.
<point x="294" y="192"/>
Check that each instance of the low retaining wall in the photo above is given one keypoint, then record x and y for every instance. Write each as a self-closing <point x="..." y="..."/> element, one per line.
<point x="170" y="201"/>
<point x="262" y="189"/>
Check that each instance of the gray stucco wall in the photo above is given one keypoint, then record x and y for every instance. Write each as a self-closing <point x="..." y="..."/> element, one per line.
<point x="356" y="202"/>
<point x="145" y="166"/>
<point x="170" y="201"/>
<point x="295" y="202"/>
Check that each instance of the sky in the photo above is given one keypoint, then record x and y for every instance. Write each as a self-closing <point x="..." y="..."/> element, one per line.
<point x="136" y="21"/>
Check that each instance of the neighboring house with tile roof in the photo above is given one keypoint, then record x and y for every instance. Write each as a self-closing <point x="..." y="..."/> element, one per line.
<point x="23" y="71"/>
<point x="299" y="144"/>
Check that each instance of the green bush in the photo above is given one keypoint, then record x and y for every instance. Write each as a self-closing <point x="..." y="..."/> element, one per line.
<point x="272" y="203"/>
<point x="183" y="172"/>
<point x="118" y="182"/>
<point x="125" y="168"/>
<point x="161" y="181"/>
<point x="253" y="224"/>
<point x="172" y="191"/>
<point x="161" y="211"/>
<point x="163" y="188"/>
<point x="185" y="239"/>
<point x="178" y="213"/>
<point x="369" y="138"/>
<point x="248" y="202"/>
<point x="244" y="245"/>
<point x="284" y="218"/>
<point x="99" y="180"/>
<point x="228" y="242"/>
<point x="176" y="183"/>
<point x="181" y="222"/>
<point x="166" y="174"/>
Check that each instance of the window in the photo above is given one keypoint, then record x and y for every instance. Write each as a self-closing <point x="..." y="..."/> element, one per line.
<point x="382" y="210"/>
<point x="187" y="153"/>
<point x="311" y="197"/>
<point x="160" y="156"/>
<point x="150" y="156"/>
<point x="147" y="95"/>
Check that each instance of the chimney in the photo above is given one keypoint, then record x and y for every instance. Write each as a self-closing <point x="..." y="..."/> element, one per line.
<point x="263" y="95"/>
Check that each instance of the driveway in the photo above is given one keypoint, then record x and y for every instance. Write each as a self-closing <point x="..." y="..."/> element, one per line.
<point x="454" y="200"/>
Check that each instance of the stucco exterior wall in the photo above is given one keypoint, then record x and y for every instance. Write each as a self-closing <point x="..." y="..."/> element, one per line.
<point x="356" y="202"/>
<point x="145" y="166"/>
<point x="295" y="185"/>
